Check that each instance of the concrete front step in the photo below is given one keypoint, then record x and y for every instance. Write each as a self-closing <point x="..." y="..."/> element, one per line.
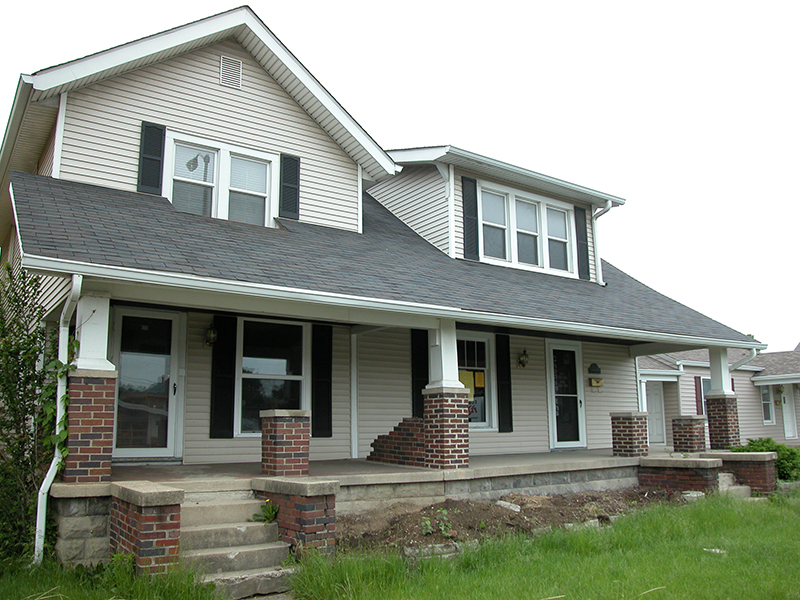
<point x="244" y="584"/>
<point x="234" y="511"/>
<point x="226" y="535"/>
<point x="210" y="497"/>
<point x="237" y="558"/>
<point x="737" y="491"/>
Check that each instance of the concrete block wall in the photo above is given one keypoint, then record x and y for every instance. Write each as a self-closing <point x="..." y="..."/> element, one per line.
<point x="82" y="525"/>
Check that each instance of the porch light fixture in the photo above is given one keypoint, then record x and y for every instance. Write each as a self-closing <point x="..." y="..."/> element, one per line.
<point x="211" y="336"/>
<point x="594" y="369"/>
<point x="523" y="359"/>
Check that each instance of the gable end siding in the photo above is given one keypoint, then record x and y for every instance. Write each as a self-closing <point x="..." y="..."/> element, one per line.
<point x="103" y="120"/>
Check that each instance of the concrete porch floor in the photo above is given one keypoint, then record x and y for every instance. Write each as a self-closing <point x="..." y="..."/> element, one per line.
<point x="362" y="471"/>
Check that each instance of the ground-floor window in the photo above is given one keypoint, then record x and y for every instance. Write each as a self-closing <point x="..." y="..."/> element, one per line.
<point x="475" y="372"/>
<point x="767" y="410"/>
<point x="271" y="372"/>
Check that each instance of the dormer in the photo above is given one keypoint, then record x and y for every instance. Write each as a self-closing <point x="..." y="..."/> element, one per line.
<point x="477" y="208"/>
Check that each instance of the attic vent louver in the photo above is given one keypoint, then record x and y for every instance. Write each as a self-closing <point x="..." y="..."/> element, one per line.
<point x="230" y="72"/>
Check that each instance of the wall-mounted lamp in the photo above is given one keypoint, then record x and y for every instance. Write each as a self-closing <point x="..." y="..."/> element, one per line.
<point x="211" y="336"/>
<point x="523" y="359"/>
<point x="594" y="369"/>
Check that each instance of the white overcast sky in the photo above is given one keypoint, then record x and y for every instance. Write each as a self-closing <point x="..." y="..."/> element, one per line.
<point x="690" y="110"/>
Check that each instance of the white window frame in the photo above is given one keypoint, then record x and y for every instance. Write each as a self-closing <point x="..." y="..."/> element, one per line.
<point x="703" y="392"/>
<point x="542" y="203"/>
<point x="222" y="179"/>
<point x="305" y="378"/>
<point x="490" y="385"/>
<point x="770" y="402"/>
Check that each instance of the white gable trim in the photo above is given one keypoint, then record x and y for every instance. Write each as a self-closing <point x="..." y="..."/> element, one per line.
<point x="248" y="30"/>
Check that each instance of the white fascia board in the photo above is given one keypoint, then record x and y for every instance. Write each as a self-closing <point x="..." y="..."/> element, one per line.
<point x="776" y="379"/>
<point x="21" y="98"/>
<point x="699" y="363"/>
<point x="113" y="58"/>
<point x="179" y="280"/>
<point x="658" y="375"/>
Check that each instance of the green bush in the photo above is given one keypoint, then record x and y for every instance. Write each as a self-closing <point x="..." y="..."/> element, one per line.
<point x="787" y="466"/>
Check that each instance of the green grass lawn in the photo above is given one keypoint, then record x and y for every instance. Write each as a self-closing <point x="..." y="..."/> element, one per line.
<point x="716" y="548"/>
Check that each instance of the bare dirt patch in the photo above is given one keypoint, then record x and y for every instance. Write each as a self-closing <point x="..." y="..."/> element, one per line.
<point x="403" y="524"/>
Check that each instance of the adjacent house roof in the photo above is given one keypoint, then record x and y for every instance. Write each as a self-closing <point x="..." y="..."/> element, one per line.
<point x="138" y="237"/>
<point x="490" y="167"/>
<point x="779" y="367"/>
<point x="35" y="105"/>
<point x="696" y="357"/>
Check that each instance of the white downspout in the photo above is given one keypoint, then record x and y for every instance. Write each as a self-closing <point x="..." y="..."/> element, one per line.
<point x="61" y="409"/>
<point x="744" y="361"/>
<point x="598" y="264"/>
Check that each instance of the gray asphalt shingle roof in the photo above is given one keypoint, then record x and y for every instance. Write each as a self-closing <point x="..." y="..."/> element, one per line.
<point x="96" y="225"/>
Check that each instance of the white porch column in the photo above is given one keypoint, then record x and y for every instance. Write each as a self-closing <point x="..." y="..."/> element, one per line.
<point x="443" y="356"/>
<point x="91" y="330"/>
<point x="720" y="375"/>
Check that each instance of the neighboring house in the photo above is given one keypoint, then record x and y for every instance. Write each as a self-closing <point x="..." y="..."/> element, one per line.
<point x="199" y="198"/>
<point x="767" y="389"/>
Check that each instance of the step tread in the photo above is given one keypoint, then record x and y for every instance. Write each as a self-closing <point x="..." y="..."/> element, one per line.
<point x="216" y="526"/>
<point x="200" y="552"/>
<point x="252" y="582"/>
<point x="265" y="572"/>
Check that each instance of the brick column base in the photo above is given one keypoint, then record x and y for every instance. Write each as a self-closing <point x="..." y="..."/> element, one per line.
<point x="689" y="434"/>
<point x="285" y="437"/>
<point x="446" y="428"/>
<point x="756" y="469"/>
<point x="306" y="511"/>
<point x="680" y="474"/>
<point x="629" y="433"/>
<point x="145" y="521"/>
<point x="723" y="422"/>
<point x="90" y="426"/>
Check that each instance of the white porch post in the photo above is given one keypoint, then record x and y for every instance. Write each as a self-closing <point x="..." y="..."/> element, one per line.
<point x="720" y="375"/>
<point x="443" y="356"/>
<point x="92" y="327"/>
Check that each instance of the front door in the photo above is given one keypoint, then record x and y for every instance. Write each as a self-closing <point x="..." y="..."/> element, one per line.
<point x="655" y="413"/>
<point x="789" y="413"/>
<point x="567" y="414"/>
<point x="148" y="385"/>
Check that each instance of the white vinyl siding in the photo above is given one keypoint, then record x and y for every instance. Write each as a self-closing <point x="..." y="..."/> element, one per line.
<point x="384" y="384"/>
<point x="751" y="421"/>
<point x="529" y="405"/>
<point x="103" y="122"/>
<point x="417" y="197"/>
<point x="619" y="391"/>
<point x="200" y="449"/>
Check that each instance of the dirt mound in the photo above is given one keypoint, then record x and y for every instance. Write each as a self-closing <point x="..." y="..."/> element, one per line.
<point x="404" y="524"/>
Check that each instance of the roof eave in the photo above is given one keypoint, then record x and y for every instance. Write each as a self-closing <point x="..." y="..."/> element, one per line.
<point x="489" y="166"/>
<point x="50" y="265"/>
<point x="15" y="119"/>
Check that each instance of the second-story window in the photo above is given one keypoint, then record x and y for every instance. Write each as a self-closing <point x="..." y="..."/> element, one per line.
<point x="525" y="229"/>
<point x="220" y="180"/>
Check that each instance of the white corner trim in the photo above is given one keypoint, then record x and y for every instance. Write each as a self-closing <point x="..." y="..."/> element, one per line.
<point x="360" y="199"/>
<point x="58" y="142"/>
<point x="451" y="212"/>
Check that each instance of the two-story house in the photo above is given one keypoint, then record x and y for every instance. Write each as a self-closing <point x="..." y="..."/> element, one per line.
<point x="223" y="238"/>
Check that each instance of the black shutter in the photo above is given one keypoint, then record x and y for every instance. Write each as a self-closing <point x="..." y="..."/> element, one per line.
<point x="151" y="158"/>
<point x="223" y="377"/>
<point x="419" y="370"/>
<point x="469" y="190"/>
<point x="698" y="394"/>
<point x="321" y="381"/>
<point x="582" y="239"/>
<point x="290" y="187"/>
<point x="505" y="418"/>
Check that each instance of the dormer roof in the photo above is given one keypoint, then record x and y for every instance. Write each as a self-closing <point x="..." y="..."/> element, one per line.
<point x="490" y="167"/>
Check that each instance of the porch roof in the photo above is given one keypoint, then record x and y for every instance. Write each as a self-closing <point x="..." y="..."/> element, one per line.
<point x="67" y="227"/>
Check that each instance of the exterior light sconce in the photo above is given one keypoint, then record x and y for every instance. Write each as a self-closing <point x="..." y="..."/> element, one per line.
<point x="523" y="359"/>
<point x="211" y="336"/>
<point x="595" y="382"/>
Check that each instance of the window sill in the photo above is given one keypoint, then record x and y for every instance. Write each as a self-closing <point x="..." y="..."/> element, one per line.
<point x="531" y="268"/>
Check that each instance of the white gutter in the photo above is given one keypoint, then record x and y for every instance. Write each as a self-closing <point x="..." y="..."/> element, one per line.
<point x="598" y="263"/>
<point x="208" y="284"/>
<point x="61" y="409"/>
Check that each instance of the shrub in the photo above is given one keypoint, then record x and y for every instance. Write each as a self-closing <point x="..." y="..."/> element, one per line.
<point x="787" y="466"/>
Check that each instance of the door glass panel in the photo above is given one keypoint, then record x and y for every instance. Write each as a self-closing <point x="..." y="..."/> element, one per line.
<point x="145" y="364"/>
<point x="565" y="382"/>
